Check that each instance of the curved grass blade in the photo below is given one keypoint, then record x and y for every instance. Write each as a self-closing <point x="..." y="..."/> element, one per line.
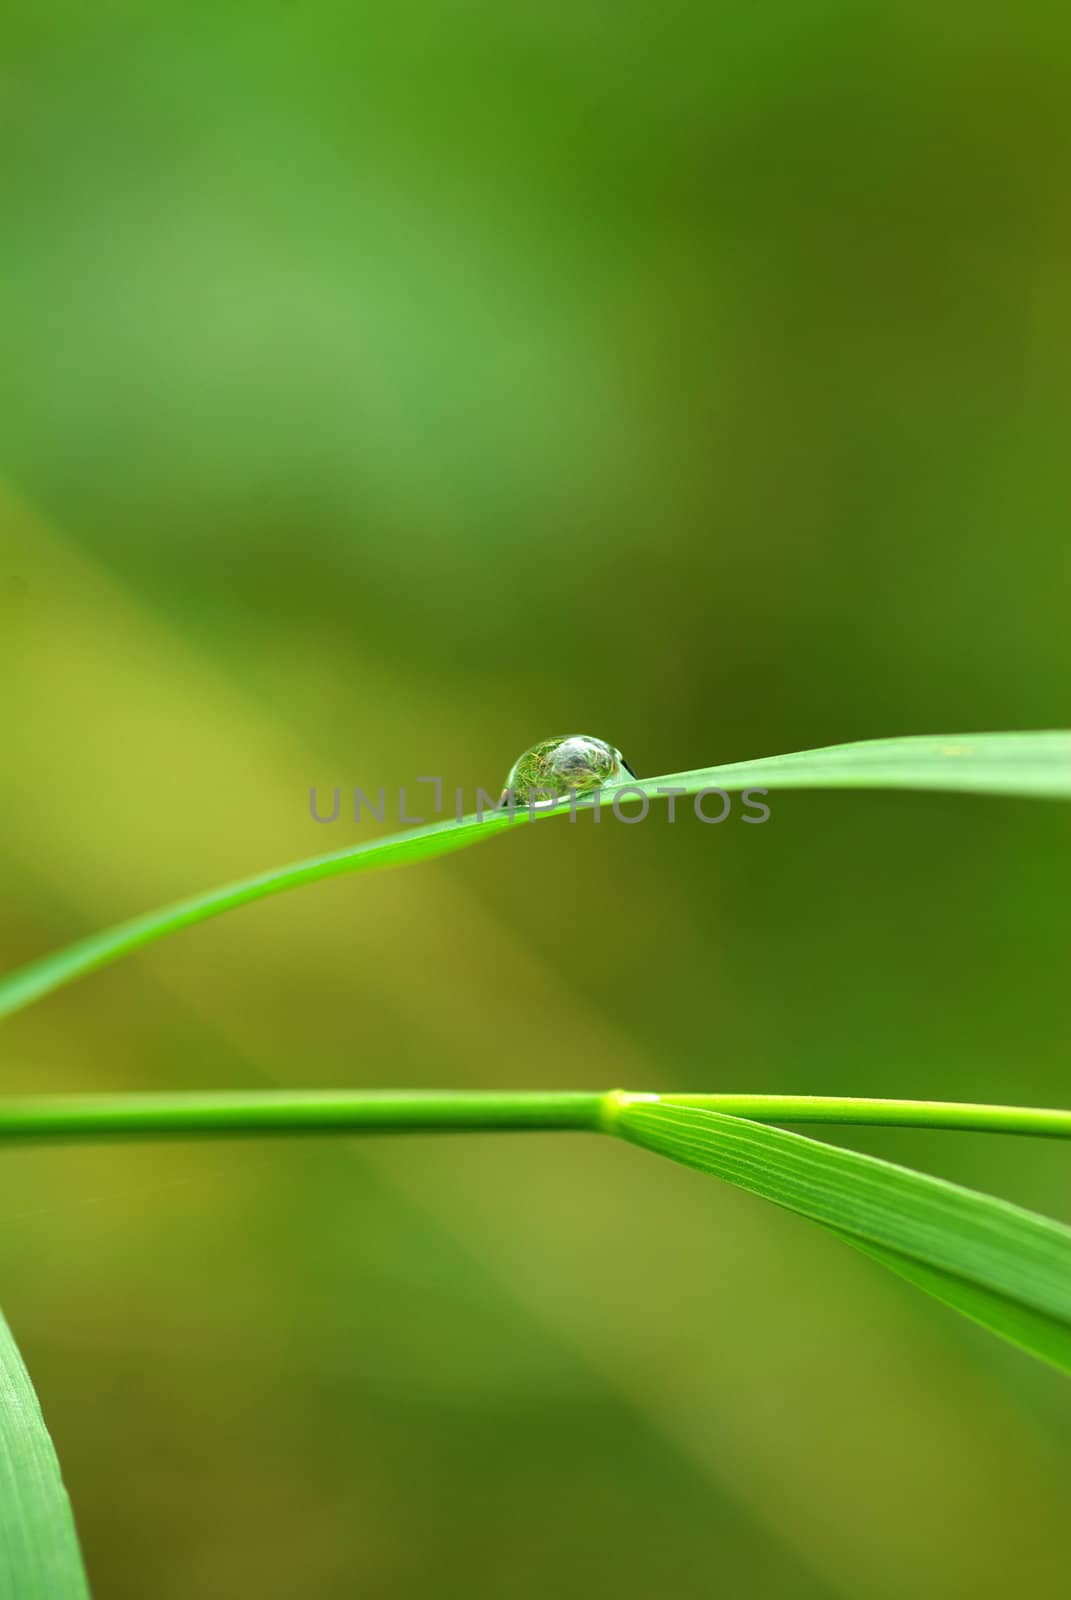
<point x="1028" y="764"/>
<point x="1032" y="764"/>
<point x="997" y="1263"/>
<point x="27" y="984"/>
<point x="39" y="1554"/>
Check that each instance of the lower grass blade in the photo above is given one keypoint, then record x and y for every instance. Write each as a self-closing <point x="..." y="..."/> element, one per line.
<point x="1039" y="1335"/>
<point x="39" y="1554"/>
<point x="996" y="1263"/>
<point x="1003" y="1266"/>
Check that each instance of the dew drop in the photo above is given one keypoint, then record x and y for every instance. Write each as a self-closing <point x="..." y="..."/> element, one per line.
<point x="556" y="767"/>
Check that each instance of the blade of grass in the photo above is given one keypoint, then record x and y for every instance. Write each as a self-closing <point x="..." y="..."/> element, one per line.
<point x="1037" y="764"/>
<point x="1039" y="1335"/>
<point x="39" y="1554"/>
<point x="961" y="1114"/>
<point x="268" y="1111"/>
<point x="995" y="1262"/>
<point x="1028" y="764"/>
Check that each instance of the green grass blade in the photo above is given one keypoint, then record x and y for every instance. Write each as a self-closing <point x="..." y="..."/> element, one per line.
<point x="1032" y="764"/>
<point x="1043" y="1121"/>
<point x="39" y="1554"/>
<point x="225" y="1112"/>
<point x="1005" y="1267"/>
<point x="1039" y="1335"/>
<point x="1037" y="764"/>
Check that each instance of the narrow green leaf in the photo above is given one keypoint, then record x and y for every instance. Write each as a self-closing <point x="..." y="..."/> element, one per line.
<point x="1039" y="1335"/>
<point x="1036" y="764"/>
<point x="1029" y="764"/>
<point x="39" y="1554"/>
<point x="997" y="1263"/>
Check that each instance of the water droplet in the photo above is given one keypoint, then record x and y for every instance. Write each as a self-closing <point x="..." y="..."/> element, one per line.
<point x="558" y="766"/>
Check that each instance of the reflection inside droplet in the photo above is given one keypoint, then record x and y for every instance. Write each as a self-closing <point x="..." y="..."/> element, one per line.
<point x="557" y="767"/>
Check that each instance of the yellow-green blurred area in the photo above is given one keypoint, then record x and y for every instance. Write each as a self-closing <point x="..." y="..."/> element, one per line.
<point x="389" y="387"/>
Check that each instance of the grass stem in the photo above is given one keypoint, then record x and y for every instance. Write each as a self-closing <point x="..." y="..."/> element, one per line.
<point x="104" y="1116"/>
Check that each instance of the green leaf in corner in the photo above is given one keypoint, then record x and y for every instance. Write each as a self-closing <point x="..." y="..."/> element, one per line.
<point x="39" y="1554"/>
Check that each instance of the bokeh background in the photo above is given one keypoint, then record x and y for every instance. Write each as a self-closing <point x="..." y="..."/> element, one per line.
<point x="386" y="388"/>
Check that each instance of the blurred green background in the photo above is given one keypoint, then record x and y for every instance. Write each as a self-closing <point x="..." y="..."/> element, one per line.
<point x="386" y="388"/>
